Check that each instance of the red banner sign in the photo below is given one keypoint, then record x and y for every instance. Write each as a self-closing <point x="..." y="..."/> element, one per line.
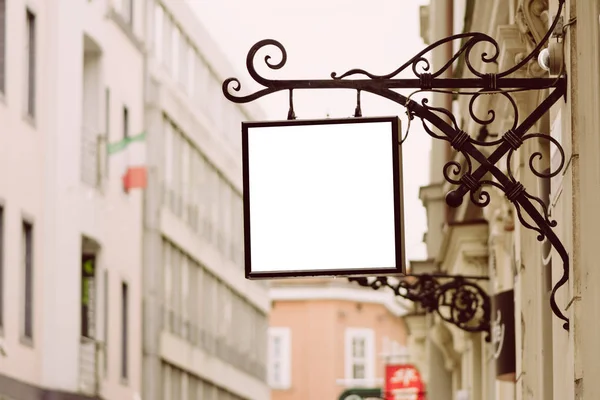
<point x="403" y="382"/>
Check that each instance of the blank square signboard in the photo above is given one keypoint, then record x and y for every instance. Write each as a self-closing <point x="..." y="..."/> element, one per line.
<point x="322" y="197"/>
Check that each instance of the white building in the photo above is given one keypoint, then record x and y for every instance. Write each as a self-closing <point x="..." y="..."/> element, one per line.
<point x="71" y="79"/>
<point x="205" y="326"/>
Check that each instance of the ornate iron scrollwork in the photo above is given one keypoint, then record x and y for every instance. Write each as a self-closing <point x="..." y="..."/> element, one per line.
<point x="459" y="301"/>
<point x="471" y="177"/>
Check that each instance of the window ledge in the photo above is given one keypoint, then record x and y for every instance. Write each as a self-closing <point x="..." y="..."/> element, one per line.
<point x="280" y="387"/>
<point x="30" y="119"/>
<point x="367" y="382"/>
<point x="116" y="17"/>
<point x="26" y="341"/>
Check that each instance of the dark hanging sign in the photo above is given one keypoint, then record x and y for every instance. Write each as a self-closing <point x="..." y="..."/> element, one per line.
<point x="323" y="197"/>
<point x="503" y="335"/>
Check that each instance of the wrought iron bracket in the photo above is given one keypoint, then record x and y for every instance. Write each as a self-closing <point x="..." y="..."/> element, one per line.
<point x="471" y="175"/>
<point x="459" y="301"/>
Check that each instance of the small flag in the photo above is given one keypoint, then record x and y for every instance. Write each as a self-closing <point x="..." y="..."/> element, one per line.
<point x="134" y="172"/>
<point x="135" y="177"/>
<point x="113" y="148"/>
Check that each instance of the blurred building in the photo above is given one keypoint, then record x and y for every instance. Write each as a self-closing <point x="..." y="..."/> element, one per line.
<point x="205" y="325"/>
<point x="327" y="336"/>
<point x="71" y="78"/>
<point x="549" y="362"/>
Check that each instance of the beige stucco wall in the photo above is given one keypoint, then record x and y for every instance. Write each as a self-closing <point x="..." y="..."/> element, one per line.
<point x="552" y="363"/>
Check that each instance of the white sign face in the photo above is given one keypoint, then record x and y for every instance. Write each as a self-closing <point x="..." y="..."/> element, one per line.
<point x="322" y="198"/>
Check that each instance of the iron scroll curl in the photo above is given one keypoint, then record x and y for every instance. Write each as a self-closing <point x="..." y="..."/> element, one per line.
<point x="456" y="299"/>
<point x="465" y="178"/>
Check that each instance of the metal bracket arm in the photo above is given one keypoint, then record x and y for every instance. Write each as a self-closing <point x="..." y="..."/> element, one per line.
<point x="458" y="301"/>
<point x="465" y="177"/>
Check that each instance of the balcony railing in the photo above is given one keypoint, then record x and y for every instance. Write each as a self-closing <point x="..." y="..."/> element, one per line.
<point x="90" y="351"/>
<point x="93" y="157"/>
<point x="213" y="345"/>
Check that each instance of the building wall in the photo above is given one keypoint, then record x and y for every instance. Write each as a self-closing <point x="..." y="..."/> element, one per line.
<point x="205" y="325"/>
<point x="552" y="363"/>
<point x="318" y="320"/>
<point x="22" y="151"/>
<point x="48" y="184"/>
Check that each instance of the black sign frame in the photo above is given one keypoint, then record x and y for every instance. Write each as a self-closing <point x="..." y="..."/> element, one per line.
<point x="400" y="267"/>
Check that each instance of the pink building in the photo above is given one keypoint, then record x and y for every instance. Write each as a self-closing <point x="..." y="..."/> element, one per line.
<point x="327" y="335"/>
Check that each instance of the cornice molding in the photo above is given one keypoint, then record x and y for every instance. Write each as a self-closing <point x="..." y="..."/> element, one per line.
<point x="312" y="293"/>
<point x="464" y="249"/>
<point x="532" y="21"/>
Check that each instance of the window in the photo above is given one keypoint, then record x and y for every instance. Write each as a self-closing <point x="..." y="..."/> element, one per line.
<point x="128" y="11"/>
<point x="168" y="163"/>
<point x="124" y="330"/>
<point x="167" y="40"/>
<point x="158" y="31"/>
<point x="191" y="59"/>
<point x="178" y="142"/>
<point x="182" y="73"/>
<point x="186" y="150"/>
<point x="105" y="336"/>
<point x="176" y="260"/>
<point x="215" y="111"/>
<point x="2" y="45"/>
<point x="30" y="64"/>
<point x="184" y="277"/>
<point x="107" y="126"/>
<point x="360" y="354"/>
<point x="225" y="217"/>
<point x="209" y="314"/>
<point x="166" y="381"/>
<point x="192" y="388"/>
<point x="192" y="305"/>
<point x="279" y="352"/>
<point x="125" y="122"/>
<point x="1" y="267"/>
<point x="200" y="81"/>
<point x="27" y="280"/>
<point x="167" y="282"/>
<point x="174" y="61"/>
<point x="88" y="295"/>
<point x="176" y="380"/>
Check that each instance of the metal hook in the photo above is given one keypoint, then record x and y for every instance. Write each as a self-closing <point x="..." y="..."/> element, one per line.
<point x="291" y="113"/>
<point x="357" y="110"/>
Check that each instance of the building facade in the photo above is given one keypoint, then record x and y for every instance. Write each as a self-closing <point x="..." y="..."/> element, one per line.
<point x="550" y="362"/>
<point x="205" y="326"/>
<point x="70" y="232"/>
<point x="327" y="336"/>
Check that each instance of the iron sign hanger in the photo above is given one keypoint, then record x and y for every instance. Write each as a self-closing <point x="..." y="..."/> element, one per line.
<point x="459" y="301"/>
<point x="466" y="178"/>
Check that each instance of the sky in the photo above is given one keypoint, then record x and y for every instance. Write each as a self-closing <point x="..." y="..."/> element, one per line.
<point x="323" y="36"/>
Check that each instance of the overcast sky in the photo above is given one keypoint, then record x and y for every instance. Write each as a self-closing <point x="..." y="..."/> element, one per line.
<point x="322" y="36"/>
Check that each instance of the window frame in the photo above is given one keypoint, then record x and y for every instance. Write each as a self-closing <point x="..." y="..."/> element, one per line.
<point x="3" y="42"/>
<point x="2" y="270"/>
<point x="28" y="291"/>
<point x="159" y="15"/>
<point x="126" y="117"/>
<point x="127" y="8"/>
<point x="30" y="63"/>
<point x="124" y="361"/>
<point x="369" y="353"/>
<point x="284" y="359"/>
